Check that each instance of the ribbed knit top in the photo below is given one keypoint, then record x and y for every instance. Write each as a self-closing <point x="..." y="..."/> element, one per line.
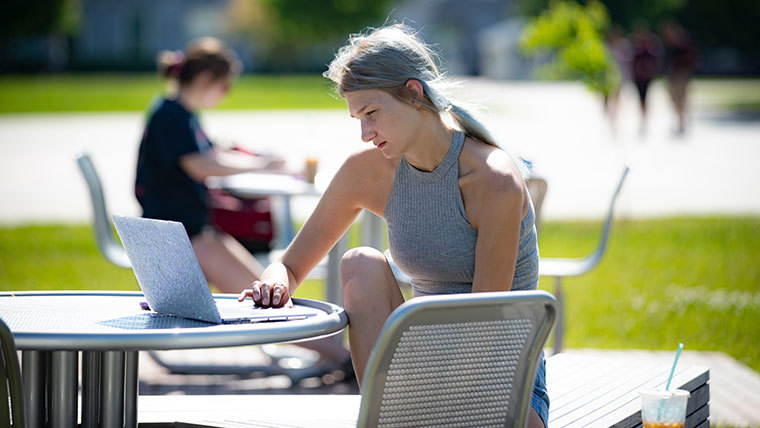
<point x="432" y="240"/>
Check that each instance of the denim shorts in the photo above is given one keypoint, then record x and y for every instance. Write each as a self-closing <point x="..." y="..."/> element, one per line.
<point x="540" y="398"/>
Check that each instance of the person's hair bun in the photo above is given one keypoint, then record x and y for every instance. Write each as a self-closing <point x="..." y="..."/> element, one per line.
<point x="170" y="63"/>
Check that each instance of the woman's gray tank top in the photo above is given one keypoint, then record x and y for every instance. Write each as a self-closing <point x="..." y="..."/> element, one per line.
<point x="430" y="237"/>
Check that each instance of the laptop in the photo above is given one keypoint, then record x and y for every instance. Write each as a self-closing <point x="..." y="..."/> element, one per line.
<point x="169" y="275"/>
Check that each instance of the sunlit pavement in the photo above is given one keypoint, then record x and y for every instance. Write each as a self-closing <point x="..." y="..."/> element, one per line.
<point x="560" y="127"/>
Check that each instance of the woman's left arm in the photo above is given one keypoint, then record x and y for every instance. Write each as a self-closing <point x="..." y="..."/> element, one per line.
<point x="497" y="209"/>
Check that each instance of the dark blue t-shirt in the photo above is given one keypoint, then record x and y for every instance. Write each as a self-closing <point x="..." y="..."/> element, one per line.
<point x="162" y="187"/>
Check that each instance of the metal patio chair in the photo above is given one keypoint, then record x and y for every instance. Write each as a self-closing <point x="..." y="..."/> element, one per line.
<point x="457" y="360"/>
<point x="107" y="243"/>
<point x="11" y="393"/>
<point x="561" y="267"/>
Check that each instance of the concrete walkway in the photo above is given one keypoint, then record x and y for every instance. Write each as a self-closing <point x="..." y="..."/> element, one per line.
<point x="560" y="127"/>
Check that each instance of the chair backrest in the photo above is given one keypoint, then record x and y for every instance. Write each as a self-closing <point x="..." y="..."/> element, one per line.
<point x="537" y="187"/>
<point x="594" y="258"/>
<point x="464" y="360"/>
<point x="11" y="395"/>
<point x="104" y="236"/>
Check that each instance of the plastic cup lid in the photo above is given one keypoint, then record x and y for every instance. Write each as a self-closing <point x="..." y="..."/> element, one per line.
<point x="666" y="394"/>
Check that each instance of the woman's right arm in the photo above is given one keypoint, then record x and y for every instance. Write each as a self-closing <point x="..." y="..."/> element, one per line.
<point x="352" y="189"/>
<point x="200" y="166"/>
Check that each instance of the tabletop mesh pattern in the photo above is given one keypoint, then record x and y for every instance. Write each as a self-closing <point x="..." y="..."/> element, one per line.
<point x="85" y="314"/>
<point x="453" y="375"/>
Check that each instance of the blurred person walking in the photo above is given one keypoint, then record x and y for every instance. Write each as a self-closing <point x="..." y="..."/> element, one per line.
<point x="644" y="64"/>
<point x="621" y="51"/>
<point x="681" y="60"/>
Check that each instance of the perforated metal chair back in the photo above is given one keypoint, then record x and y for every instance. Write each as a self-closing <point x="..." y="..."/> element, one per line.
<point x="104" y="236"/>
<point x="463" y="360"/>
<point x="11" y="395"/>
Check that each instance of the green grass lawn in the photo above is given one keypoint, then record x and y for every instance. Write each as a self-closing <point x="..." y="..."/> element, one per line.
<point x="733" y="95"/>
<point x="132" y="92"/>
<point x="693" y="280"/>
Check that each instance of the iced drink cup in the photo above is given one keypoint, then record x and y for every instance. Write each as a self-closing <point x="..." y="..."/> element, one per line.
<point x="664" y="409"/>
<point x="310" y="169"/>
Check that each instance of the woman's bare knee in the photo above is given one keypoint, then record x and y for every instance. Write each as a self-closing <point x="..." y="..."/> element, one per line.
<point x="367" y="278"/>
<point x="361" y="261"/>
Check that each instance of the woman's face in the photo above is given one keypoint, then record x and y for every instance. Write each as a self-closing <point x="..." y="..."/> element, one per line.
<point x="391" y="125"/>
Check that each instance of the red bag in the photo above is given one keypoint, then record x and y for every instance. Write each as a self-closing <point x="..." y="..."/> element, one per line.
<point x="248" y="220"/>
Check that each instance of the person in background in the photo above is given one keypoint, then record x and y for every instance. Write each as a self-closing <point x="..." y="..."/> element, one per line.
<point x="176" y="156"/>
<point x="619" y="48"/>
<point x="644" y="63"/>
<point x="681" y="60"/>
<point x="460" y="219"/>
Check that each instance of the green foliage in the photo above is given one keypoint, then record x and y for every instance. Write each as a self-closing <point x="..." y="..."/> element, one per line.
<point x="573" y="35"/>
<point x="302" y="34"/>
<point x="38" y="17"/>
<point x="712" y="23"/>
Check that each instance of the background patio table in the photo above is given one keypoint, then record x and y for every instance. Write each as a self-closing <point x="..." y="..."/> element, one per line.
<point x="50" y="328"/>
<point x="279" y="186"/>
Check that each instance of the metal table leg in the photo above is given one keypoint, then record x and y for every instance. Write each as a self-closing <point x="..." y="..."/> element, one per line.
<point x="332" y="290"/>
<point x="284" y="231"/>
<point x="34" y="367"/>
<point x="112" y="389"/>
<point x="63" y="391"/>
<point x="90" y="389"/>
<point x="131" y="389"/>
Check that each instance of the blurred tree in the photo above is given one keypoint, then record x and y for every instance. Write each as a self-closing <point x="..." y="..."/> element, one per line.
<point x="574" y="36"/>
<point x="38" y="17"/>
<point x="623" y="12"/>
<point x="713" y="24"/>
<point x="294" y="35"/>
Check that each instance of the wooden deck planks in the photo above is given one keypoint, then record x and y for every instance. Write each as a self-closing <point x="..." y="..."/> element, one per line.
<point x="734" y="387"/>
<point x="733" y="392"/>
<point x="609" y="396"/>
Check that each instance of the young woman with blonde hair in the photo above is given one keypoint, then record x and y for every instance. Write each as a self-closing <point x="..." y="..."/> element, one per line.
<point x="459" y="216"/>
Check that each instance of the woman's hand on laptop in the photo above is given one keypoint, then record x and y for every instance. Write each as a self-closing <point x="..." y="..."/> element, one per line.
<point x="266" y="294"/>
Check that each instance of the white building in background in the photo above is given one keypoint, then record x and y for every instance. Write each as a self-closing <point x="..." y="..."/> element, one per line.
<point x="500" y="56"/>
<point x="453" y="26"/>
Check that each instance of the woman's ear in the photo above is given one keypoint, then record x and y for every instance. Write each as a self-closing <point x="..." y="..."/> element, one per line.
<point x="415" y="87"/>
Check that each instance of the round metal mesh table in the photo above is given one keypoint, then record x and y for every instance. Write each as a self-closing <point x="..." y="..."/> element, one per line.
<point x="51" y="328"/>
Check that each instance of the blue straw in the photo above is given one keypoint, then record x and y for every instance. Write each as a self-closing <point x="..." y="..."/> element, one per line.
<point x="670" y="378"/>
<point x="673" y="369"/>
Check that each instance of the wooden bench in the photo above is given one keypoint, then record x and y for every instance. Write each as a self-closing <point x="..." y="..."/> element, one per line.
<point x="603" y="389"/>
<point x="585" y="390"/>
